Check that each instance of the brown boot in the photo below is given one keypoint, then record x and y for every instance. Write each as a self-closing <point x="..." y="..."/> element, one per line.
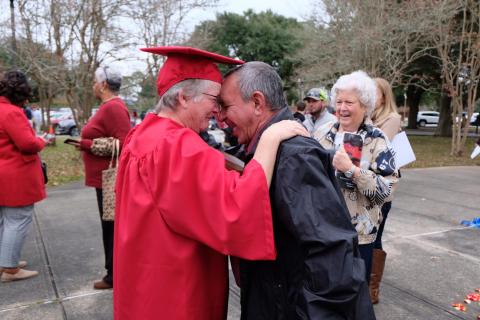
<point x="378" y="265"/>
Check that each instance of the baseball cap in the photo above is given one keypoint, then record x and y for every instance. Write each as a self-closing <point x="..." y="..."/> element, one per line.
<point x="317" y="94"/>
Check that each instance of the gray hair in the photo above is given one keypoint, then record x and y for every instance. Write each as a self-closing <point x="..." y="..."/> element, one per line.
<point x="192" y="88"/>
<point x="112" y="77"/>
<point x="259" y="76"/>
<point x="360" y="82"/>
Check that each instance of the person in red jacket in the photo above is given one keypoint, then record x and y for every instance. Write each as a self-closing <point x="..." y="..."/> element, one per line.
<point x="21" y="178"/>
<point x="111" y="120"/>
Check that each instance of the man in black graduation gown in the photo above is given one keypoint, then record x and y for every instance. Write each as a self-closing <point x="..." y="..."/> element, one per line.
<point x="318" y="273"/>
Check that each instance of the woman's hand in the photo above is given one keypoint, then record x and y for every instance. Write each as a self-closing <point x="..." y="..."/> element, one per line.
<point x="77" y="145"/>
<point x="341" y="160"/>
<point x="43" y="137"/>
<point x="267" y="147"/>
<point x="284" y="130"/>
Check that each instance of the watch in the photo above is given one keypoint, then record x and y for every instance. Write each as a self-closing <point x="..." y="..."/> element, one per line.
<point x="349" y="173"/>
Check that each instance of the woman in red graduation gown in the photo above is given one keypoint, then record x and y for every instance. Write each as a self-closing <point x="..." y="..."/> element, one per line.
<point x="179" y="212"/>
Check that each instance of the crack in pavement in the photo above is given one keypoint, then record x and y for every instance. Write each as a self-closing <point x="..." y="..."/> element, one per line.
<point x="49" y="301"/>
<point x="49" y="267"/>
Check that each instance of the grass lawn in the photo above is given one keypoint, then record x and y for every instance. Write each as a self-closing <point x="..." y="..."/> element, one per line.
<point x="435" y="152"/>
<point x="65" y="163"/>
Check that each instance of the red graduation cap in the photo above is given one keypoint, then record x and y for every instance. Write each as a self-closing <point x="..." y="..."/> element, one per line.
<point x="188" y="63"/>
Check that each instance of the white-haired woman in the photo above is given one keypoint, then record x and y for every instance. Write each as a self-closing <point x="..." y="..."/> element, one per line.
<point x="111" y="120"/>
<point x="366" y="182"/>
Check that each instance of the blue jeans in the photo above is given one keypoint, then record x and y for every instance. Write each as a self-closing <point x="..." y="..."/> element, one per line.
<point x="14" y="224"/>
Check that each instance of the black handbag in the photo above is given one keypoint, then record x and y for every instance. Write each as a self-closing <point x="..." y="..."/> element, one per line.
<point x="44" y="171"/>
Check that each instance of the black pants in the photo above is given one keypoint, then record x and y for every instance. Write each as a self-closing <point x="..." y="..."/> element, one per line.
<point x="366" y="252"/>
<point x="385" y="209"/>
<point x="107" y="233"/>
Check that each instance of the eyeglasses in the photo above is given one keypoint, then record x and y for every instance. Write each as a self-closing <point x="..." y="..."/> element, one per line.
<point x="219" y="104"/>
<point x="215" y="100"/>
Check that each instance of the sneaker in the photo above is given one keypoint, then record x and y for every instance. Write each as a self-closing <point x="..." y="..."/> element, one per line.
<point x="21" y="274"/>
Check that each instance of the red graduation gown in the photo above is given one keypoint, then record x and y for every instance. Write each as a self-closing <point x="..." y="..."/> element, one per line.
<point x="179" y="212"/>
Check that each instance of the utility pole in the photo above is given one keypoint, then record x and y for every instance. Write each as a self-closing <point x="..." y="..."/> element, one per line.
<point x="14" y="40"/>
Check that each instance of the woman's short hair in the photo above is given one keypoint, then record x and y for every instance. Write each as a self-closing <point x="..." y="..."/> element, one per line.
<point x="362" y="84"/>
<point x="191" y="88"/>
<point x="112" y="77"/>
<point x="15" y="87"/>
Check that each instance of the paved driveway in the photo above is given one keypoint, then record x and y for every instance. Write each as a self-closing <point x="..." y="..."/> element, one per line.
<point x="432" y="261"/>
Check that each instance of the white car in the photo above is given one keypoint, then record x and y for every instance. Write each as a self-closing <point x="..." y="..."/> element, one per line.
<point x="427" y="118"/>
<point x="473" y="118"/>
<point x="67" y="126"/>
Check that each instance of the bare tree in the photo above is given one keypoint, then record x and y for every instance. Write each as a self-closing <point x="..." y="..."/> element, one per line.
<point x="64" y="41"/>
<point x="37" y="58"/>
<point x="455" y="32"/>
<point x="160" y="23"/>
<point x="78" y="40"/>
<point x="382" y="37"/>
<point x="386" y="38"/>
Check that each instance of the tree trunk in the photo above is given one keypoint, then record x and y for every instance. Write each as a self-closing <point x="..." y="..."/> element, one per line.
<point x="14" y="38"/>
<point x="457" y="148"/>
<point x="444" y="128"/>
<point x="414" y="94"/>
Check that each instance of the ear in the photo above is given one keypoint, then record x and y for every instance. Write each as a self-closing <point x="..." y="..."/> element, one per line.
<point x="182" y="99"/>
<point x="104" y="85"/>
<point x="260" y="102"/>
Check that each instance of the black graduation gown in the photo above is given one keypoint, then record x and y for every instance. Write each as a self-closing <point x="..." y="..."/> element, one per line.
<point x="318" y="273"/>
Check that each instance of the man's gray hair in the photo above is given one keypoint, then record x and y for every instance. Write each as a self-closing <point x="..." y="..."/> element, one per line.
<point x="112" y="77"/>
<point x="259" y="76"/>
<point x="362" y="84"/>
<point x="191" y="88"/>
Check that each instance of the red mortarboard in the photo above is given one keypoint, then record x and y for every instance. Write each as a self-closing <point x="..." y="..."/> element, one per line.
<point x="188" y="63"/>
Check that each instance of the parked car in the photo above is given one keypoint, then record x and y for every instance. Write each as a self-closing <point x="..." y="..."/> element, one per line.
<point x="57" y="116"/>
<point x="67" y="126"/>
<point x="473" y="118"/>
<point x="427" y="117"/>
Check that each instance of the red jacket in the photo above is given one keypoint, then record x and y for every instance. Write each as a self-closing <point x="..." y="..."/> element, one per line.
<point x="178" y="213"/>
<point x="21" y="177"/>
<point x="111" y="120"/>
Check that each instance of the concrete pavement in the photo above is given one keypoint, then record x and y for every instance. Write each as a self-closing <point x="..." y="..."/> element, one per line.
<point x="432" y="261"/>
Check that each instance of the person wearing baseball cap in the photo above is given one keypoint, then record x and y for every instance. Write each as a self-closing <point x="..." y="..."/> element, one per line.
<point x="316" y="112"/>
<point x="179" y="212"/>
